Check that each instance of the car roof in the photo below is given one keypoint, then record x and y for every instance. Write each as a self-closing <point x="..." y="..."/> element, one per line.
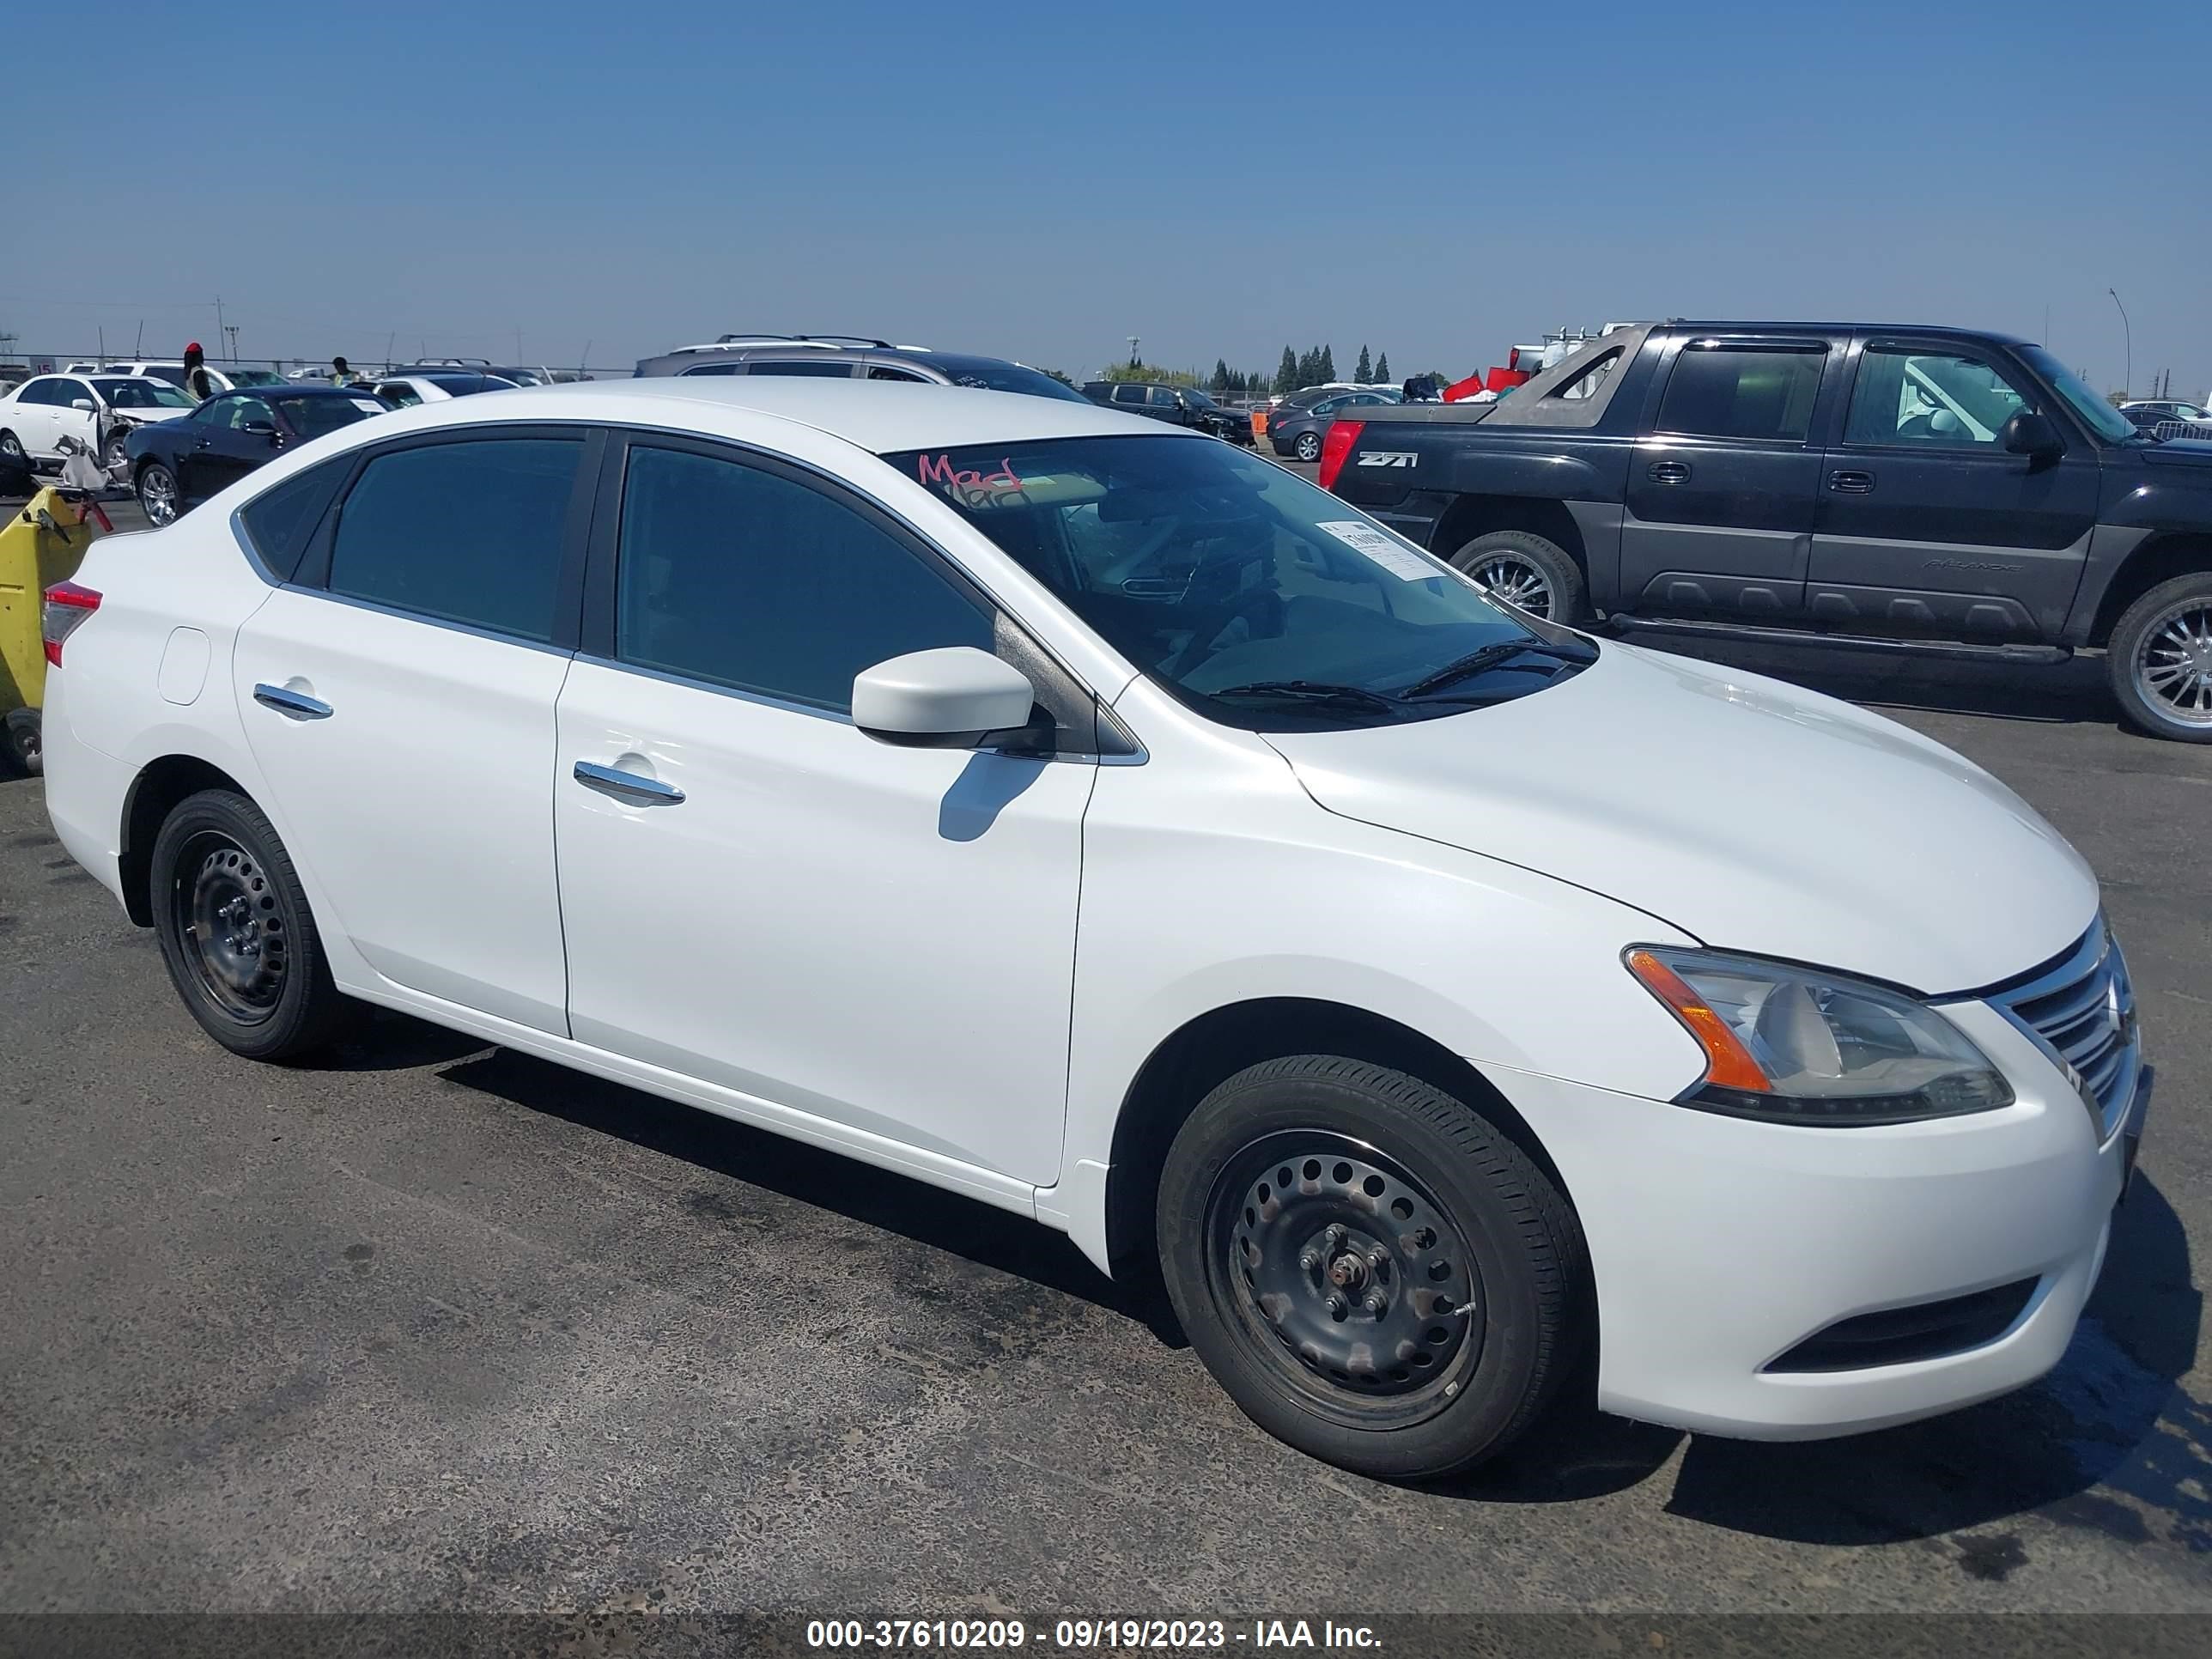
<point x="878" y="415"/>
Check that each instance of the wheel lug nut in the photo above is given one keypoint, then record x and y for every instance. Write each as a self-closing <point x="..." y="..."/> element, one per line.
<point x="1377" y="1259"/>
<point x="1334" y="1238"/>
<point x="1337" y="1307"/>
<point x="1376" y="1303"/>
<point x="1310" y="1261"/>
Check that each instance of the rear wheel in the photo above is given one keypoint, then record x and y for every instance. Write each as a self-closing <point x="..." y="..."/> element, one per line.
<point x="1528" y="572"/>
<point x="26" y="747"/>
<point x="1308" y="445"/>
<point x="1368" y="1267"/>
<point x="2160" y="660"/>
<point x="235" y="931"/>
<point x="157" y="493"/>
<point x="11" y="449"/>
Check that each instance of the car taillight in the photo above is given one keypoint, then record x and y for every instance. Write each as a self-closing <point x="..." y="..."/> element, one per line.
<point x="67" y="605"/>
<point x="1342" y="435"/>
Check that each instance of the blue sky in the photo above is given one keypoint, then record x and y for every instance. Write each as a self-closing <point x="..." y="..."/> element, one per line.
<point x="1434" y="180"/>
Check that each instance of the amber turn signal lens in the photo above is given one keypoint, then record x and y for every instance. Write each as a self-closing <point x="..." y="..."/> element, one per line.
<point x="1727" y="1062"/>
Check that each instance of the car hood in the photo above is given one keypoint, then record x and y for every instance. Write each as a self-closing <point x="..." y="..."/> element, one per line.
<point x="1750" y="814"/>
<point x="147" y="416"/>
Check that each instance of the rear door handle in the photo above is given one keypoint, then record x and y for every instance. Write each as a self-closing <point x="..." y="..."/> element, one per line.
<point x="1669" y="472"/>
<point x="1851" y="481"/>
<point x="614" y="781"/>
<point x="295" y="704"/>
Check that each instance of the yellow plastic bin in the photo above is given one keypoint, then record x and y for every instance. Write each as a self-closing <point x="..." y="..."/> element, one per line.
<point x="42" y="543"/>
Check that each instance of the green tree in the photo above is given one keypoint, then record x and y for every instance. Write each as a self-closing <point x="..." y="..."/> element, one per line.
<point x="1365" y="372"/>
<point x="1220" y="382"/>
<point x="1286" y="377"/>
<point x="1059" y="377"/>
<point x="1151" y="374"/>
<point x="1325" y="369"/>
<point x="1309" y="365"/>
<point x="1382" y="367"/>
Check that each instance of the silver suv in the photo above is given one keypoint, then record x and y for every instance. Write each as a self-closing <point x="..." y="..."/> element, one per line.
<point x="852" y="356"/>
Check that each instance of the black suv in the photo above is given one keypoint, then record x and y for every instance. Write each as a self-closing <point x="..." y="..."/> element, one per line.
<point x="1894" y="488"/>
<point x="855" y="357"/>
<point x="1178" y="405"/>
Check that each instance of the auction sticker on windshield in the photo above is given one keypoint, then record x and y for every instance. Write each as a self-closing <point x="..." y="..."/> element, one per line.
<point x="1402" y="562"/>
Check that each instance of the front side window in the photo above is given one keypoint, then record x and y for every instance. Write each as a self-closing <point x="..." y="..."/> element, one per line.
<point x="1929" y="399"/>
<point x="1257" y="598"/>
<point x="1161" y="397"/>
<point x="879" y="372"/>
<point x="469" y="532"/>
<point x="2097" y="414"/>
<point x="1720" y="391"/>
<point x="245" y="410"/>
<point x="743" y="577"/>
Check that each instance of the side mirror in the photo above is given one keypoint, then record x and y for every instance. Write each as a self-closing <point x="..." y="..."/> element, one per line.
<point x="950" y="698"/>
<point x="84" y="403"/>
<point x="2032" y="435"/>
<point x="260" y="429"/>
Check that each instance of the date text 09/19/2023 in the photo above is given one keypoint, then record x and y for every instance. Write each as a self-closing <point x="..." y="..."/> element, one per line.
<point x="1086" y="1634"/>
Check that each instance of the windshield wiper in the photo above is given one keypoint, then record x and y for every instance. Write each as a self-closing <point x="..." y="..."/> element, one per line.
<point x="1492" y="655"/>
<point x="1314" y="691"/>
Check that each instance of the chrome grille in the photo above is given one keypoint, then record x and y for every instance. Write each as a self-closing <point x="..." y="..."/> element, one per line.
<point x="2081" y="1011"/>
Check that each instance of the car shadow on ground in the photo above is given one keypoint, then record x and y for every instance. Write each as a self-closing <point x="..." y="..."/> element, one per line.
<point x="965" y="1227"/>
<point x="2110" y="1442"/>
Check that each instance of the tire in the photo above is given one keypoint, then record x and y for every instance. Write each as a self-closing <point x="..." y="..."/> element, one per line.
<point x="1455" y="1256"/>
<point x="26" y="749"/>
<point x="11" y="450"/>
<point x="2160" y="659"/>
<point x="111" y="454"/>
<point x="157" y="493"/>
<point x="1308" y="445"/>
<point x="218" y="865"/>
<point x="1526" y="570"/>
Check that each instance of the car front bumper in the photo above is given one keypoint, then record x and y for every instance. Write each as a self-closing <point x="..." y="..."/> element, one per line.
<point x="1718" y="1245"/>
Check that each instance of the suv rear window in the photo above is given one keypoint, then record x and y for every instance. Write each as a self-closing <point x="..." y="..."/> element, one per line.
<point x="1720" y="391"/>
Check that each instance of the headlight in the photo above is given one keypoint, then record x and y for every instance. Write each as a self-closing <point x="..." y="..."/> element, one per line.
<point x="1791" y="1045"/>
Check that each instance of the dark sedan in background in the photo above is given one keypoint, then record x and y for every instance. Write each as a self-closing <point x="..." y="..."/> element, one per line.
<point x="176" y="466"/>
<point x="1298" y="430"/>
<point x="1178" y="405"/>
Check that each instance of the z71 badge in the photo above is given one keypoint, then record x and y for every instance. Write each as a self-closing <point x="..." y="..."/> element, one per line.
<point x="1390" y="458"/>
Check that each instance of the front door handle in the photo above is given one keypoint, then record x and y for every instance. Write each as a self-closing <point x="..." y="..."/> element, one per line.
<point x="295" y="704"/>
<point x="1851" y="481"/>
<point x="635" y="784"/>
<point x="1669" y="472"/>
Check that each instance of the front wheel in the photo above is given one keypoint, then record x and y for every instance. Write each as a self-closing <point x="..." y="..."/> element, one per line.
<point x="1308" y="445"/>
<point x="2160" y="660"/>
<point x="235" y="931"/>
<point x="157" y="493"/>
<point x="1373" y="1271"/>
<point x="111" y="454"/>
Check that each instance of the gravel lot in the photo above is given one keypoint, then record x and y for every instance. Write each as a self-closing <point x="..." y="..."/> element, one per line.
<point x="442" y="1326"/>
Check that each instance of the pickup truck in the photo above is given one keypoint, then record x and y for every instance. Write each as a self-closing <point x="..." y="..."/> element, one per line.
<point x="1942" y="491"/>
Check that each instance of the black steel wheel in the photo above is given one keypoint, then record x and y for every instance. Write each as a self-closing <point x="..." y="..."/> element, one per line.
<point x="1371" y="1268"/>
<point x="1339" y="1262"/>
<point x="235" y="931"/>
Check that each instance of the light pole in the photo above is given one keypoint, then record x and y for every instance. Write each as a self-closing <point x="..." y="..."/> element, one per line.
<point x="2127" y="380"/>
<point x="1133" y="351"/>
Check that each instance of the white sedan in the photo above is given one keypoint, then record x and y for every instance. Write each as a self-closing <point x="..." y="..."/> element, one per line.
<point x="406" y="391"/>
<point x="97" y="410"/>
<point x="1107" y="824"/>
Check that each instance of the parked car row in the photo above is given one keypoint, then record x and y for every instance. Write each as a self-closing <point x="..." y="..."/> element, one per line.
<point x="1178" y="405"/>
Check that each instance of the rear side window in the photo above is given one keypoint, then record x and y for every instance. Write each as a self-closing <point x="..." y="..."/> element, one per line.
<point x="1742" y="392"/>
<point x="879" y="372"/>
<point x="816" y="366"/>
<point x="470" y="533"/>
<point x="742" y="577"/>
<point x="1128" y="394"/>
<point x="280" y="522"/>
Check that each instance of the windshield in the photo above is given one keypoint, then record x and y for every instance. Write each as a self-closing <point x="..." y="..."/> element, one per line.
<point x="2096" y="412"/>
<point x="1254" y="597"/>
<point x="254" y="377"/>
<point x="989" y="374"/>
<point x="312" y="416"/>
<point x="143" y="392"/>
